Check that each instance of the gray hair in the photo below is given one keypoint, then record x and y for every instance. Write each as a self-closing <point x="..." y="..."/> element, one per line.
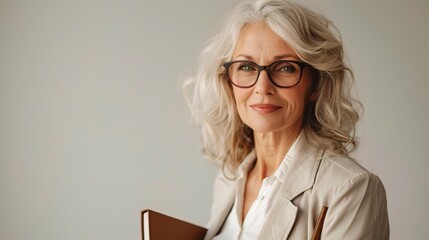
<point x="329" y="120"/>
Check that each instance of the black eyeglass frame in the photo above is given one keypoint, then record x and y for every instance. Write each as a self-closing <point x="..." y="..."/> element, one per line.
<point x="301" y="65"/>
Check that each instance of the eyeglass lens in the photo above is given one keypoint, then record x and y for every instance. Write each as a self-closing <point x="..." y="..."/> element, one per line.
<point x="282" y="73"/>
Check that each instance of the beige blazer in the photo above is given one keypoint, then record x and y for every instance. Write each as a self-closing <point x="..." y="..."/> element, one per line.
<point x="356" y="199"/>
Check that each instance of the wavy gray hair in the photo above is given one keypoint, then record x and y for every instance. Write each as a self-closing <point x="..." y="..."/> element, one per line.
<point x="329" y="120"/>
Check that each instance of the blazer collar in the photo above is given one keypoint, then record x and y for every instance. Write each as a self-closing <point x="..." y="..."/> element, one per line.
<point x="299" y="177"/>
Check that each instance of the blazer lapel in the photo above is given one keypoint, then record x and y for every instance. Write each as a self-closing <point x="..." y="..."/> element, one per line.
<point x="222" y="204"/>
<point x="280" y="222"/>
<point x="299" y="177"/>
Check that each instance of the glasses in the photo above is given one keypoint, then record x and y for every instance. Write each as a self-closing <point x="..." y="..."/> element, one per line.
<point x="283" y="74"/>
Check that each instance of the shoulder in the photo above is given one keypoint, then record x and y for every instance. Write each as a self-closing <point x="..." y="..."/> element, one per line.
<point x="343" y="164"/>
<point x="343" y="168"/>
<point x="223" y="180"/>
<point x="226" y="177"/>
<point x="340" y="173"/>
<point x="356" y="199"/>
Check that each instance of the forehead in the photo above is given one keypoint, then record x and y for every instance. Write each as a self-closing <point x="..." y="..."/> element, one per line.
<point x="258" y="40"/>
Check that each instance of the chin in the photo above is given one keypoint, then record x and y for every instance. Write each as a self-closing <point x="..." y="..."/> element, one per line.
<point x="263" y="128"/>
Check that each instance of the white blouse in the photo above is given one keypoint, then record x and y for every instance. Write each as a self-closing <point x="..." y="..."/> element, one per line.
<point x="236" y="229"/>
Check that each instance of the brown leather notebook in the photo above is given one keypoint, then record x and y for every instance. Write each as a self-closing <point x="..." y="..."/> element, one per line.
<point x="157" y="226"/>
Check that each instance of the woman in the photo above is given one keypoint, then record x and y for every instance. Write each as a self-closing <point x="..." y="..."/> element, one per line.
<point x="273" y="96"/>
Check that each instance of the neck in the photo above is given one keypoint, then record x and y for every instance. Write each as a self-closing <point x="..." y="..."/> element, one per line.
<point x="271" y="148"/>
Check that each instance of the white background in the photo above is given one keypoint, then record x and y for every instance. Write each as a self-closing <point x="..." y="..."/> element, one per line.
<point x="94" y="128"/>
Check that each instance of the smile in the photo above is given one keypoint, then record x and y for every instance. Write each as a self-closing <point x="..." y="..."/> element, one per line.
<point x="265" y="108"/>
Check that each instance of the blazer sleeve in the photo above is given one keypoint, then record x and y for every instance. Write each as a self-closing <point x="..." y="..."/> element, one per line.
<point x="358" y="210"/>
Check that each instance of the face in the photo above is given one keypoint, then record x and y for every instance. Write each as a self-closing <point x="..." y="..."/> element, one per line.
<point x="264" y="107"/>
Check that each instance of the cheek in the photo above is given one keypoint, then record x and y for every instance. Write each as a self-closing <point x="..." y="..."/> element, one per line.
<point x="298" y="96"/>
<point x="295" y="101"/>
<point x="240" y="96"/>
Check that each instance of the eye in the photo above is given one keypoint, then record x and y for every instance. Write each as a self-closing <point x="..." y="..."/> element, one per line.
<point x="246" y="66"/>
<point x="285" y="68"/>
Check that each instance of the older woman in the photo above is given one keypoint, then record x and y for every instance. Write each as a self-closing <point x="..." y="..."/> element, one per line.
<point x="273" y="96"/>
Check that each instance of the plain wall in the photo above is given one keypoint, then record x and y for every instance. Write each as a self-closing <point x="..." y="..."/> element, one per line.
<point x="94" y="127"/>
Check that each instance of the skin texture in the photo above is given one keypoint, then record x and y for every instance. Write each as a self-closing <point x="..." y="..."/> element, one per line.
<point x="275" y="114"/>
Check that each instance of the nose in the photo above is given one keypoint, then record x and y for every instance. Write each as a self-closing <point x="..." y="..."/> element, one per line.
<point x="263" y="85"/>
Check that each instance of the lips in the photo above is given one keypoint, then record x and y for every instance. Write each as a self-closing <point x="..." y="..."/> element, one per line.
<point x="265" y="108"/>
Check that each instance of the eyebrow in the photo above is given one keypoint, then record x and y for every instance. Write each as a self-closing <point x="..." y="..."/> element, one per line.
<point x="279" y="57"/>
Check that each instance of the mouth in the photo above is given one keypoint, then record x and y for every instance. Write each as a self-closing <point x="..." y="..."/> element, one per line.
<point x="265" y="108"/>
